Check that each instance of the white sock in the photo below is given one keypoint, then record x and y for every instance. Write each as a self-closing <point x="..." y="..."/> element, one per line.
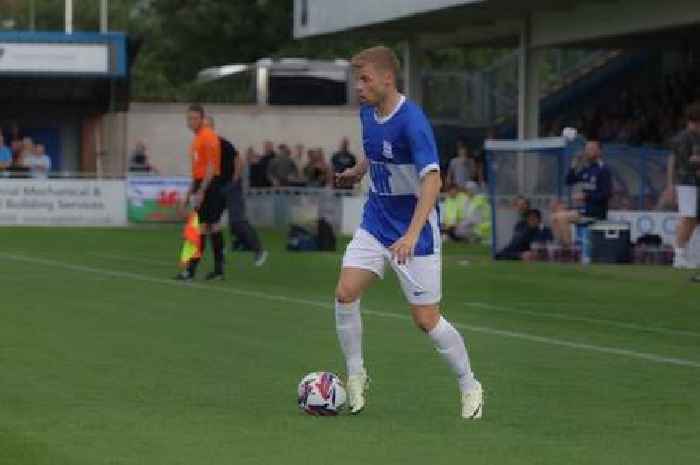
<point x="348" y="324"/>
<point x="450" y="345"/>
<point x="681" y="252"/>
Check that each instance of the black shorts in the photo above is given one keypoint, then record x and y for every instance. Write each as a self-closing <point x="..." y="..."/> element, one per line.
<point x="213" y="203"/>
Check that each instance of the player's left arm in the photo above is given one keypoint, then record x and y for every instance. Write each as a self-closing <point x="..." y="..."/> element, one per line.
<point x="425" y="157"/>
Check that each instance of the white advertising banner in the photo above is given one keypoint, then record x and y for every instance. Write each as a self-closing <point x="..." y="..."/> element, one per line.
<point x="54" y="58"/>
<point x="662" y="223"/>
<point x="62" y="202"/>
<point x="648" y="222"/>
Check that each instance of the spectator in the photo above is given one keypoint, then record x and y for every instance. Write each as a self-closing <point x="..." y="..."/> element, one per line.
<point x="342" y="160"/>
<point x="475" y="221"/>
<point x="16" y="149"/>
<point x="282" y="171"/>
<point x="460" y="170"/>
<point x="479" y="163"/>
<point x="520" y="246"/>
<point x="259" y="166"/>
<point x="298" y="157"/>
<point x="594" y="177"/>
<point x="26" y="151"/>
<point x="14" y="140"/>
<point x="522" y="207"/>
<point x="317" y="173"/>
<point x="38" y="163"/>
<point x="454" y="211"/>
<point x="22" y="150"/>
<point x="5" y="157"/>
<point x="138" y="163"/>
<point x="250" y="157"/>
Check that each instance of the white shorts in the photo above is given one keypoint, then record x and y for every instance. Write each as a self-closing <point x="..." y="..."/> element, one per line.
<point x="420" y="277"/>
<point x="687" y="201"/>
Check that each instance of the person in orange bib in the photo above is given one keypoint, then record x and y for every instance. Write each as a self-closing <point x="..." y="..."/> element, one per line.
<point x="205" y="192"/>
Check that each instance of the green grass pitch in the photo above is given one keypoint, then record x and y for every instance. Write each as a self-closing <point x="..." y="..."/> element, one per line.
<point x="105" y="360"/>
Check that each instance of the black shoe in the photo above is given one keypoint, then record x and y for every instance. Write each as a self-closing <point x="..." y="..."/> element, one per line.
<point x="214" y="276"/>
<point x="185" y="276"/>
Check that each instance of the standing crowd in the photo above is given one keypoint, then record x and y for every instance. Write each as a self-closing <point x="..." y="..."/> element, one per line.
<point x="297" y="167"/>
<point x="21" y="156"/>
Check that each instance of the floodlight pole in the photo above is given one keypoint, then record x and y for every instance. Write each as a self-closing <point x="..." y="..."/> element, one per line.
<point x="412" y="76"/>
<point x="104" y="16"/>
<point x="69" y="17"/>
<point x="528" y="102"/>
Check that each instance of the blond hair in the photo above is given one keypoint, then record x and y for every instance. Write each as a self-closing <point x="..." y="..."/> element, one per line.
<point x="381" y="57"/>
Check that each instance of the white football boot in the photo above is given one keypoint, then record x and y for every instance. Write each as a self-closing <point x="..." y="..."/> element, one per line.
<point x="473" y="403"/>
<point x="356" y="387"/>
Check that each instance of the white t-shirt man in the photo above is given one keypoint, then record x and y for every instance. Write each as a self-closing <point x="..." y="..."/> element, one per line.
<point x="39" y="164"/>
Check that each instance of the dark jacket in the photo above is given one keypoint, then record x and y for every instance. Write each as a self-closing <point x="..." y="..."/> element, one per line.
<point x="597" y="187"/>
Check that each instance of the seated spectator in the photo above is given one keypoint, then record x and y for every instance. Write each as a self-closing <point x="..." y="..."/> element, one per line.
<point x="342" y="160"/>
<point x="523" y="240"/>
<point x="282" y="171"/>
<point x="317" y="173"/>
<point x="454" y="211"/>
<point x="5" y="157"/>
<point x="478" y="215"/>
<point x="461" y="168"/>
<point x="593" y="176"/>
<point x="258" y="165"/>
<point x="138" y="163"/>
<point x="476" y="224"/>
<point x="38" y="163"/>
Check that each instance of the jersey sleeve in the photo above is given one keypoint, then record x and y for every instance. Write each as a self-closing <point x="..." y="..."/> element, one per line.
<point x="422" y="144"/>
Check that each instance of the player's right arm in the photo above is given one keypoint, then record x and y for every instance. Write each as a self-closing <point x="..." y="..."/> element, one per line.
<point x="354" y="175"/>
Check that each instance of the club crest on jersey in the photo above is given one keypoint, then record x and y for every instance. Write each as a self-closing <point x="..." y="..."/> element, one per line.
<point x="387" y="151"/>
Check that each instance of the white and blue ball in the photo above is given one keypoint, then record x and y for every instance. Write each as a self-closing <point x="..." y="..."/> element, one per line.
<point x="321" y="393"/>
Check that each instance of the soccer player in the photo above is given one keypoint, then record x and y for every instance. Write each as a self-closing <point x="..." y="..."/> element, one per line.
<point x="685" y="170"/>
<point x="232" y="166"/>
<point x="205" y="191"/>
<point x="400" y="225"/>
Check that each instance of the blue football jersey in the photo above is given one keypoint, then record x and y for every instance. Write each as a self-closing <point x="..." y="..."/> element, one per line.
<point x="400" y="150"/>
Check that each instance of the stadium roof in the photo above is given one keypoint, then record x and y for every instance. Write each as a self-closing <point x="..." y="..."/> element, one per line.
<point x="598" y="23"/>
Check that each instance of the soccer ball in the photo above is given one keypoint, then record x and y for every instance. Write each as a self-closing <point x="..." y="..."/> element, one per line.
<point x="321" y="394"/>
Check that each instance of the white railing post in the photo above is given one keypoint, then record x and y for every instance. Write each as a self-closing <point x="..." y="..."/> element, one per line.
<point x="69" y="17"/>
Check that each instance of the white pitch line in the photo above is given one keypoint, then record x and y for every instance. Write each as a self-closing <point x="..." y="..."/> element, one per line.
<point x="582" y="319"/>
<point x="328" y="306"/>
<point x="134" y="259"/>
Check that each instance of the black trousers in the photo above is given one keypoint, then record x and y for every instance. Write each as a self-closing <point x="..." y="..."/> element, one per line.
<point x="237" y="219"/>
